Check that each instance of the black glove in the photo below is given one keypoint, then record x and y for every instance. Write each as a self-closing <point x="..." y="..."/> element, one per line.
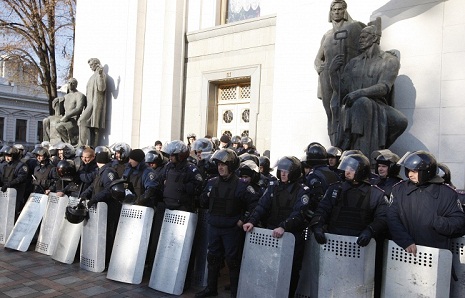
<point x="319" y="235"/>
<point x="5" y="186"/>
<point x="365" y="237"/>
<point x="91" y="202"/>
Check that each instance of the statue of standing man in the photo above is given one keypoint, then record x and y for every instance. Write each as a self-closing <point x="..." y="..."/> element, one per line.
<point x="92" y="120"/>
<point x="342" y="39"/>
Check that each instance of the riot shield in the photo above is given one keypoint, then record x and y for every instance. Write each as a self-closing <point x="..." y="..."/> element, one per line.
<point x="428" y="274"/>
<point x="339" y="268"/>
<point x="93" y="239"/>
<point x="27" y="223"/>
<point x="131" y="242"/>
<point x="173" y="252"/>
<point x="51" y="223"/>
<point x="7" y="213"/>
<point x="200" y="248"/>
<point x="68" y="239"/>
<point x="457" y="288"/>
<point x="266" y="264"/>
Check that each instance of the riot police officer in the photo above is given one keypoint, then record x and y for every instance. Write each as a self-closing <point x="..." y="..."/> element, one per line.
<point x="283" y="205"/>
<point x="88" y="169"/>
<point x="265" y="170"/>
<point x="142" y="178"/>
<point x="14" y="174"/>
<point x="43" y="175"/>
<point x="387" y="170"/>
<point x="353" y="207"/>
<point x="122" y="151"/>
<point x="228" y="198"/>
<point x="424" y="210"/>
<point x="334" y="158"/>
<point x="100" y="191"/>
<point x="247" y="147"/>
<point x="320" y="176"/>
<point x="182" y="180"/>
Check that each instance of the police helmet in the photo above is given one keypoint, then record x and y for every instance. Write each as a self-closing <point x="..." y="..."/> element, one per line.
<point x="316" y="154"/>
<point x="228" y="157"/>
<point x="249" y="168"/>
<point x="123" y="149"/>
<point x="66" y="169"/>
<point x="19" y="146"/>
<point x="292" y="165"/>
<point x="203" y="145"/>
<point x="247" y="141"/>
<point x="11" y="151"/>
<point x="156" y="157"/>
<point x="216" y="143"/>
<point x="39" y="150"/>
<point x="76" y="214"/>
<point x="333" y="151"/>
<point x="248" y="156"/>
<point x="177" y="148"/>
<point x="80" y="150"/>
<point x="118" y="189"/>
<point x="444" y="173"/>
<point x="264" y="162"/>
<point x="68" y="149"/>
<point x="358" y="163"/>
<point x="209" y="166"/>
<point x="389" y="159"/>
<point x="102" y="154"/>
<point x="236" y="140"/>
<point x="421" y="161"/>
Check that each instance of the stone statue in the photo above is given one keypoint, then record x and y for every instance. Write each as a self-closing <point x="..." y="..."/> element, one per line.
<point x="74" y="103"/>
<point x="92" y="120"/>
<point x="368" y="120"/>
<point x="62" y="126"/>
<point x="341" y="39"/>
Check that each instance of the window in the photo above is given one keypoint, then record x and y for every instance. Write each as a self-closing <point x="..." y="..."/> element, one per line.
<point x="239" y="10"/>
<point x="2" y="127"/>
<point x="21" y="130"/>
<point x="40" y="130"/>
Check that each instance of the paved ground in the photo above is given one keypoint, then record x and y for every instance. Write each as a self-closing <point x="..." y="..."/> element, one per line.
<point x="32" y="274"/>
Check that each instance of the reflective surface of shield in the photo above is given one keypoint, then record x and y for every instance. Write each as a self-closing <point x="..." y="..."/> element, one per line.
<point x="7" y="213"/>
<point x="173" y="252"/>
<point x="69" y="237"/>
<point x="131" y="242"/>
<point x="339" y="268"/>
<point x="51" y="223"/>
<point x="93" y="239"/>
<point x="266" y="264"/>
<point x="428" y="274"/>
<point x="457" y="288"/>
<point x="27" y="223"/>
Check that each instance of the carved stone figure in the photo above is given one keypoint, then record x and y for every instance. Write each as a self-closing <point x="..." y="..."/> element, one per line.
<point x="368" y="120"/>
<point x="62" y="126"/>
<point x="341" y="39"/>
<point x="92" y="120"/>
<point x="74" y="102"/>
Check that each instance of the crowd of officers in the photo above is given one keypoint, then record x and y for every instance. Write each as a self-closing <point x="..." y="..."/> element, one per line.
<point x="325" y="191"/>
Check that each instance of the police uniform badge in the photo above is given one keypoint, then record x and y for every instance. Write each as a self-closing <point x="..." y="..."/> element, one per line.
<point x="389" y="200"/>
<point x="111" y="176"/>
<point x="305" y="199"/>
<point x="250" y="189"/>
<point x="198" y="177"/>
<point x="25" y="168"/>
<point x="151" y="176"/>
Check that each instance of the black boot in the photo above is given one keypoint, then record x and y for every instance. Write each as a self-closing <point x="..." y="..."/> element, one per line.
<point x="212" y="278"/>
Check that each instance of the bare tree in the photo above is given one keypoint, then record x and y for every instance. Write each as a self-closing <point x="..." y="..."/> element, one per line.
<point x="32" y="33"/>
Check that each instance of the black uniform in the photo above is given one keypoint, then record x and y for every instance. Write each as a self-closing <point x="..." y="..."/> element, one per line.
<point x="44" y="177"/>
<point x="14" y="175"/>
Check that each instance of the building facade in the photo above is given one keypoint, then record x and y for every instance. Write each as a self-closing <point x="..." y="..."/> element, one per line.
<point x="181" y="66"/>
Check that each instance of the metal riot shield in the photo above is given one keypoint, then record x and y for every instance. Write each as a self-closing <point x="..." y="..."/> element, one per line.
<point x="93" y="239"/>
<point x="173" y="252"/>
<point x="27" y="223"/>
<point x="266" y="264"/>
<point x="68" y="239"/>
<point x="7" y="213"/>
<point x="457" y="288"/>
<point x="131" y="242"/>
<point x="428" y="274"/>
<point x="339" y="268"/>
<point x="51" y="223"/>
<point x="200" y="248"/>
